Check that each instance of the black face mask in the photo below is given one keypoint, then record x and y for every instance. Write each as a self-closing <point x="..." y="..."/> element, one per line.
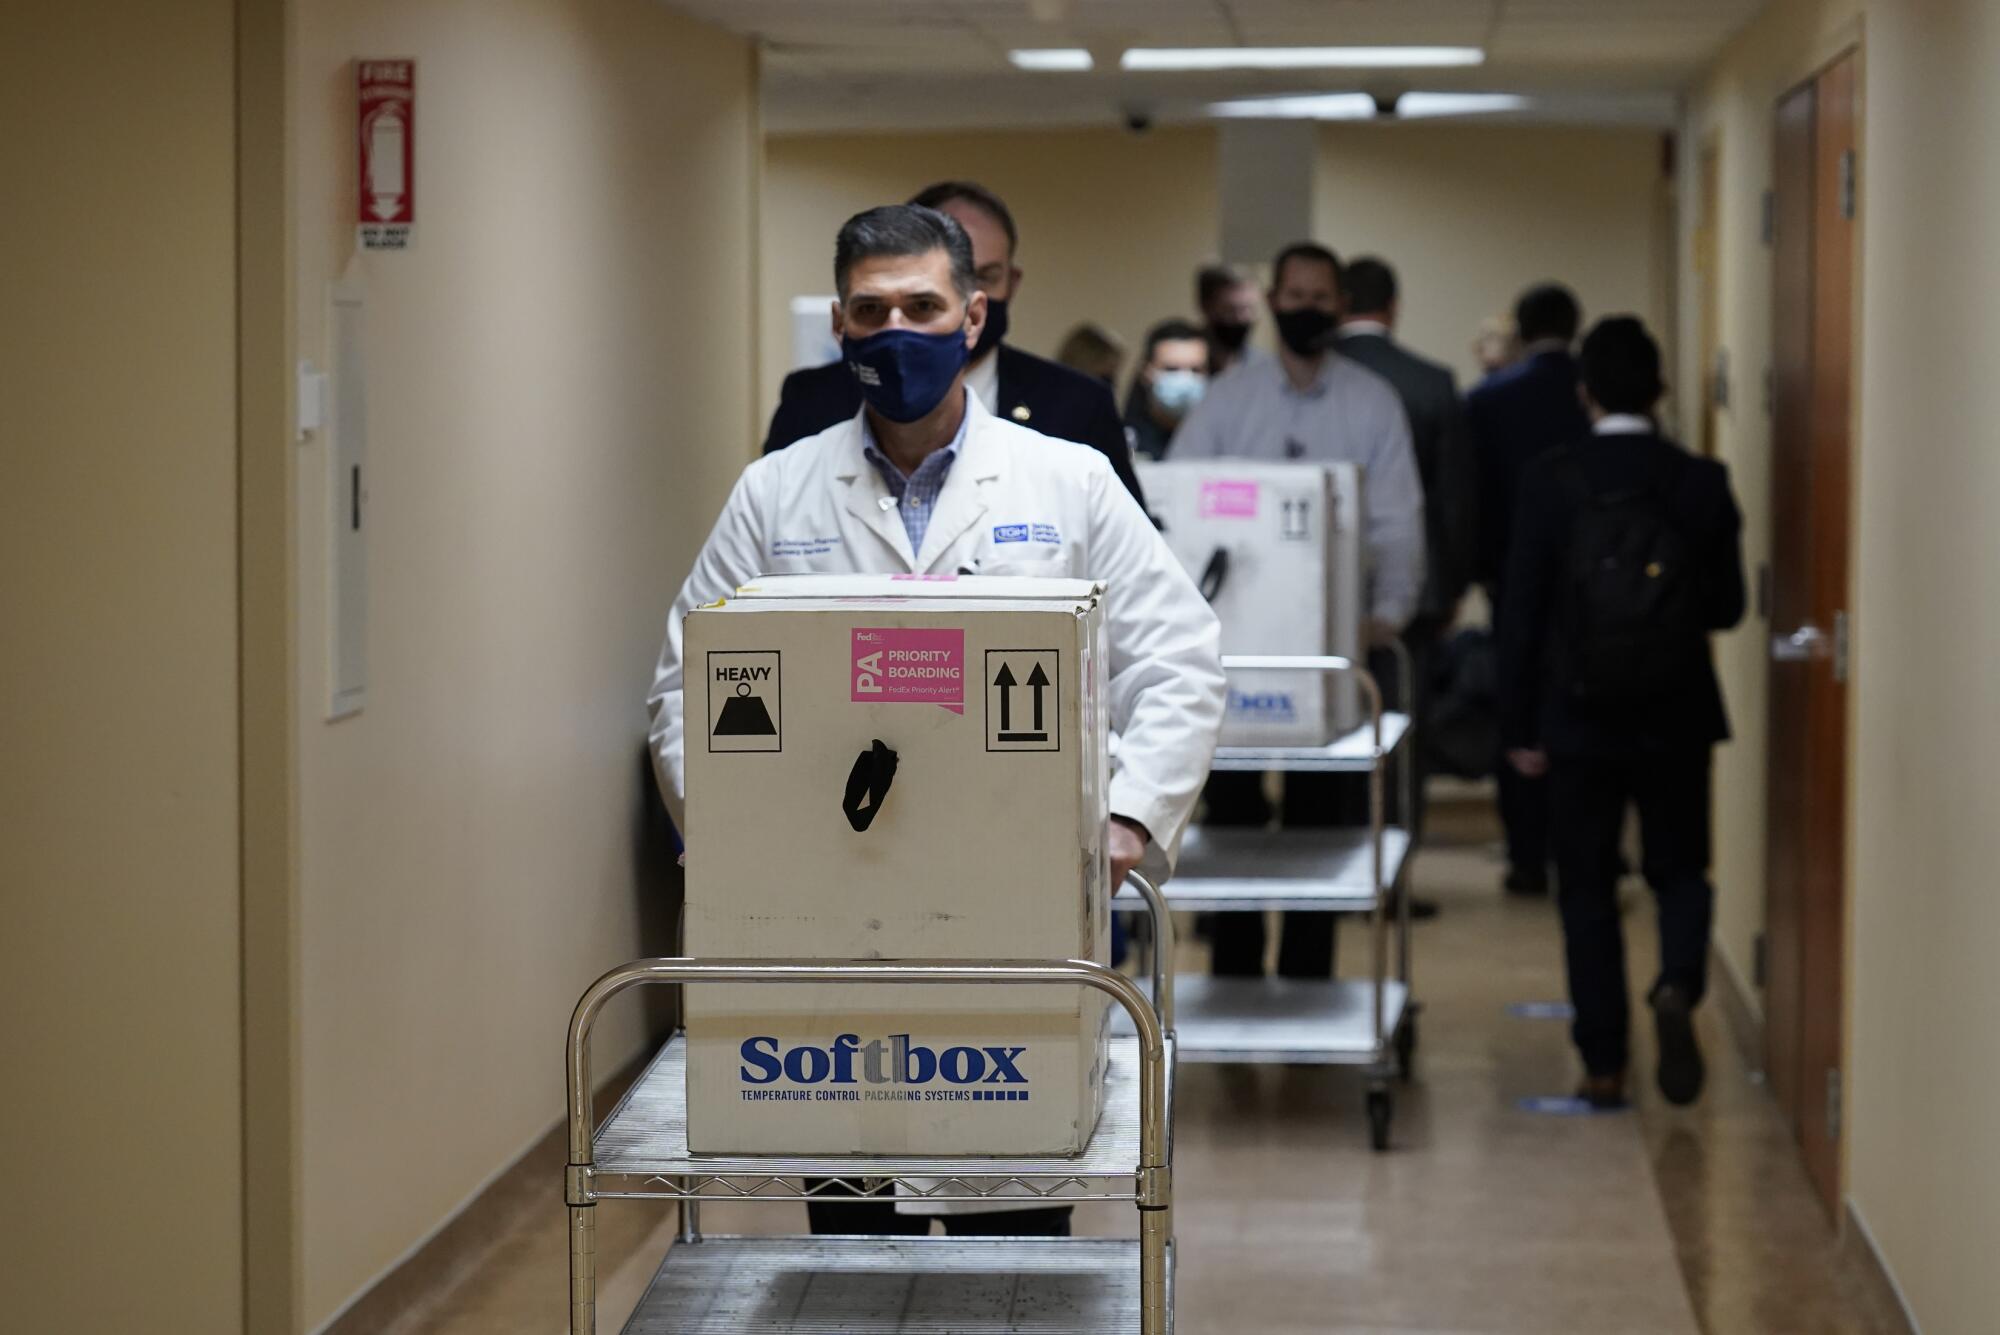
<point x="994" y="330"/>
<point x="1304" y="330"/>
<point x="1229" y="335"/>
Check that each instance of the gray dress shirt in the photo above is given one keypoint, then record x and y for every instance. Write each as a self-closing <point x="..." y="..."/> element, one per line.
<point x="1347" y="415"/>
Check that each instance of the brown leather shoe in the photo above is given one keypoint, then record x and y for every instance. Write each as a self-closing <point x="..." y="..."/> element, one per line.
<point x="1603" y="1092"/>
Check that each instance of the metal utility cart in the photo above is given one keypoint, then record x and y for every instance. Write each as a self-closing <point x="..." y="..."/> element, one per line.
<point x="746" y="1285"/>
<point x="1368" y="1022"/>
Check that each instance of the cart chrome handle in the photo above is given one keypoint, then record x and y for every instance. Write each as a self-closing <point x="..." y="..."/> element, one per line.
<point x="1163" y="947"/>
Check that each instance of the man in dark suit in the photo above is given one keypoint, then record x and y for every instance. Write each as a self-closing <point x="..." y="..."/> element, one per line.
<point x="1019" y="386"/>
<point x="1445" y="461"/>
<point x="1429" y="392"/>
<point x="1515" y="416"/>
<point x="1627" y="551"/>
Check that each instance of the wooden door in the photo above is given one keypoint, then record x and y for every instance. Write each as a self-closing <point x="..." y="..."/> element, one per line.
<point x="1813" y="368"/>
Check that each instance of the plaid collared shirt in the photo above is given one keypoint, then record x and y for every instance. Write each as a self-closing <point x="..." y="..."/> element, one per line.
<point x="916" y="493"/>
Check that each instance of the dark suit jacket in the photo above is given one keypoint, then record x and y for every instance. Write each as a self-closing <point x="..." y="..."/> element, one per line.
<point x="1515" y="415"/>
<point x="1535" y="711"/>
<point x="1041" y="395"/>
<point x="1445" y="461"/>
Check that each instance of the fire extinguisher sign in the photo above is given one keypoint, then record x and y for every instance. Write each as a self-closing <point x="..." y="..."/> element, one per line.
<point x="387" y="179"/>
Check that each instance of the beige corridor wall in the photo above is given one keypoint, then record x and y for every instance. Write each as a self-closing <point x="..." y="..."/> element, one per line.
<point x="1471" y="214"/>
<point x="1731" y="112"/>
<point x="1112" y="224"/>
<point x="118" y="662"/>
<point x="1923" y="1169"/>
<point x="559" y="387"/>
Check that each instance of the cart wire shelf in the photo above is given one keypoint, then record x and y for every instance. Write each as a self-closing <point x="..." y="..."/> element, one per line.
<point x="961" y="1286"/>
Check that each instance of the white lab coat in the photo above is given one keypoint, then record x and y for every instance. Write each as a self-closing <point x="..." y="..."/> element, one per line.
<point x="820" y="507"/>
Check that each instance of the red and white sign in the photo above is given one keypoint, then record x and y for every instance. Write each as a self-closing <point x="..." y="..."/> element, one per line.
<point x="388" y="142"/>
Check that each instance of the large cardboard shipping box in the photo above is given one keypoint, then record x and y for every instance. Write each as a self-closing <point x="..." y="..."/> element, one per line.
<point x="983" y="838"/>
<point x="1278" y="549"/>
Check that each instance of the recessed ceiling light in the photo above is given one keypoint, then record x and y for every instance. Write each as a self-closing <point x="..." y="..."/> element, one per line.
<point x="1299" y="57"/>
<point x="1060" y="59"/>
<point x="1301" y="107"/>
<point x="1417" y="105"/>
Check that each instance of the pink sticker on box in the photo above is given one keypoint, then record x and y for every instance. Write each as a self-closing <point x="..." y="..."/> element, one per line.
<point x="904" y="666"/>
<point x="1228" y="500"/>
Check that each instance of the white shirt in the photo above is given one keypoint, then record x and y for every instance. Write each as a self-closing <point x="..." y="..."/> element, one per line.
<point x="1624" y="424"/>
<point x="819" y="507"/>
<point x="983" y="378"/>
<point x="1375" y="327"/>
<point x="1348" y="414"/>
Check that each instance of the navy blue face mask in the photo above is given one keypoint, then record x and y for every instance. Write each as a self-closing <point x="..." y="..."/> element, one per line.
<point x="904" y="373"/>
<point x="995" y="330"/>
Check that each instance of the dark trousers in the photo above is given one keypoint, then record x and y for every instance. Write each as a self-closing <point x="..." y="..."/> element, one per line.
<point x="1306" y="941"/>
<point x="1524" y="815"/>
<point x="1589" y="795"/>
<point x="879" y="1218"/>
<point x="1524" y="802"/>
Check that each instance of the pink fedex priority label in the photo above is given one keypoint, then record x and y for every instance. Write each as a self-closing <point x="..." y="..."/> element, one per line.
<point x="905" y="666"/>
<point x="1228" y="500"/>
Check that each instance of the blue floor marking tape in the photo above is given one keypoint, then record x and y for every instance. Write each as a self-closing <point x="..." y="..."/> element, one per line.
<point x="1542" y="1010"/>
<point x="1560" y="1106"/>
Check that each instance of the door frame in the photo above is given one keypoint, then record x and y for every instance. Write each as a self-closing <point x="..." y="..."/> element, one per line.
<point x="1829" y="1169"/>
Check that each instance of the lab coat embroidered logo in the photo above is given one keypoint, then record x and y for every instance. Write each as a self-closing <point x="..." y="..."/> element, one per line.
<point x="1022" y="695"/>
<point x="745" y="708"/>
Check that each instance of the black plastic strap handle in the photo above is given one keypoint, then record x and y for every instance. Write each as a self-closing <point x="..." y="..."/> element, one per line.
<point x="867" y="785"/>
<point x="1215" y="574"/>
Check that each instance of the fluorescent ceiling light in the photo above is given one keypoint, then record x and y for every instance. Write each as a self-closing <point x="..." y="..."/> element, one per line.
<point x="1299" y="57"/>
<point x="1303" y="107"/>
<point x="1063" y="59"/>
<point x="1414" y="106"/>
<point x="1363" y="106"/>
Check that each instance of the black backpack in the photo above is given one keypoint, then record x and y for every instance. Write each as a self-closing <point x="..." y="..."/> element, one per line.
<point x="1628" y="625"/>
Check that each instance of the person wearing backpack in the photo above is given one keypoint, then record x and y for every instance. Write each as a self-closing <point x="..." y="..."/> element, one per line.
<point x="1627" y="553"/>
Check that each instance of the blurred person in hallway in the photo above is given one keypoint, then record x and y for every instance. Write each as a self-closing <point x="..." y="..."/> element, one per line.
<point x="1311" y="403"/>
<point x="1516" y="415"/>
<point x="1095" y="351"/>
<point x="1627" y="554"/>
<point x="1429" y="391"/>
<point x="1020" y="387"/>
<point x="1229" y="304"/>
<point x="1496" y="346"/>
<point x="1169" y="384"/>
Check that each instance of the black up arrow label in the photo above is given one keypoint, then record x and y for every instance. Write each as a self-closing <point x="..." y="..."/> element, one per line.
<point x="1014" y="723"/>
<point x="1296" y="512"/>
<point x="1005" y="681"/>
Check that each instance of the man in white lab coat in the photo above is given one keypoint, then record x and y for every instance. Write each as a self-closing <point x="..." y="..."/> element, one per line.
<point x="925" y="480"/>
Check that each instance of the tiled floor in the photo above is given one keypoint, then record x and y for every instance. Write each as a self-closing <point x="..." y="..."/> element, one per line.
<point x="1483" y="1218"/>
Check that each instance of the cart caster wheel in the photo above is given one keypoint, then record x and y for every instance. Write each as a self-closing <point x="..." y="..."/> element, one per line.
<point x="1381" y="1111"/>
<point x="1406" y="1049"/>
